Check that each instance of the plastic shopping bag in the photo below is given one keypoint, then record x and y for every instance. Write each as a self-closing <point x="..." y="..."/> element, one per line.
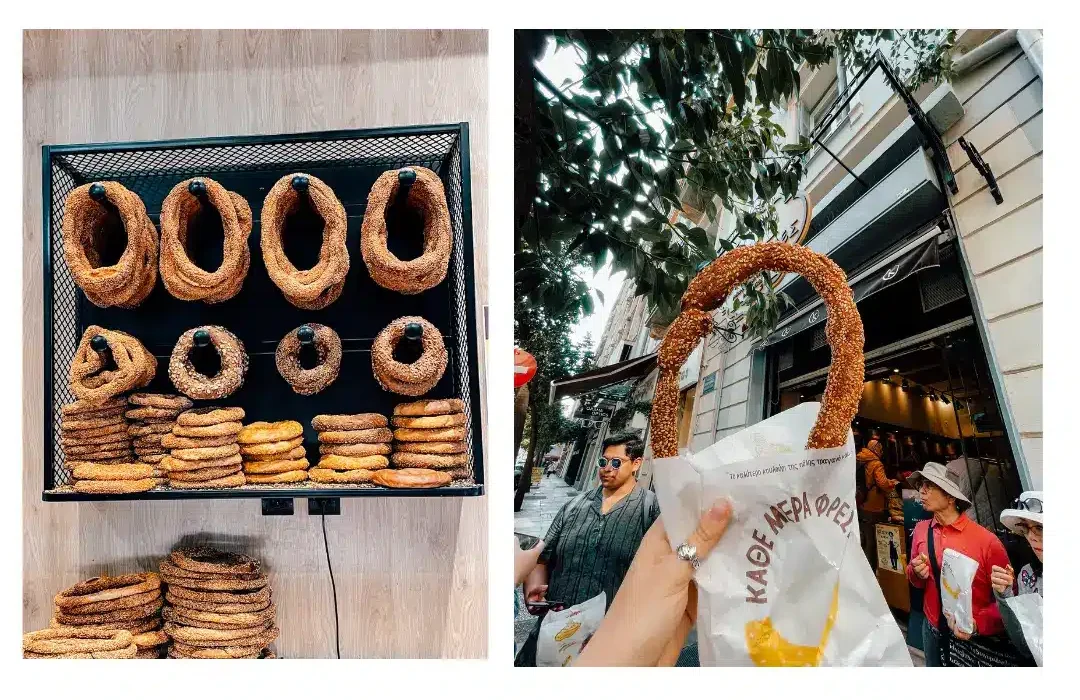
<point x="563" y="634"/>
<point x="788" y="584"/>
<point x="1028" y="609"/>
<point x="957" y="575"/>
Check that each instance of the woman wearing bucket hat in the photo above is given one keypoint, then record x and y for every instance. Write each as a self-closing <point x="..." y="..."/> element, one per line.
<point x="1025" y="518"/>
<point x="950" y="528"/>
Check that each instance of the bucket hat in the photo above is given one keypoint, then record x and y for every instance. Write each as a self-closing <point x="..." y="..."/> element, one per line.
<point x="947" y="478"/>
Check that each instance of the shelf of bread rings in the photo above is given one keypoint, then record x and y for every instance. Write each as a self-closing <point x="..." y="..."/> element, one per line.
<point x="261" y="317"/>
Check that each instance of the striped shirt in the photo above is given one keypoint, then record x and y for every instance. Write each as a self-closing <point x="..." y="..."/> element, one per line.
<point x="587" y="551"/>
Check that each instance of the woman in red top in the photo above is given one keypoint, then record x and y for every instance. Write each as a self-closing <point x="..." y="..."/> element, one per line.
<point x="940" y="493"/>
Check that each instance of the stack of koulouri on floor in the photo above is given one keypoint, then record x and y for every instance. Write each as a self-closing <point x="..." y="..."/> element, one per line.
<point x="104" y="617"/>
<point x="352" y="447"/>
<point x="273" y="453"/>
<point x="203" y="449"/>
<point x="219" y="605"/>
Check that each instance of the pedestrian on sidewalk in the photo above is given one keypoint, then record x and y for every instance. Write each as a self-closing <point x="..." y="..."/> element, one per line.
<point x="1025" y="518"/>
<point x="873" y="494"/>
<point x="592" y="541"/>
<point x="951" y="528"/>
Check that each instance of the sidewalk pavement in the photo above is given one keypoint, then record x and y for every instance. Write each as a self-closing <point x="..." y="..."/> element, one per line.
<point x="541" y="504"/>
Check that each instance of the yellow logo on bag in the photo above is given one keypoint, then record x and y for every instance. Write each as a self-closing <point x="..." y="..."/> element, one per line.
<point x="954" y="592"/>
<point x="568" y="631"/>
<point x="768" y="648"/>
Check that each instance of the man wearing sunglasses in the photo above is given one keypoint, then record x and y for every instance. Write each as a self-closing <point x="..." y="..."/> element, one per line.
<point x="1025" y="518"/>
<point x="593" y="539"/>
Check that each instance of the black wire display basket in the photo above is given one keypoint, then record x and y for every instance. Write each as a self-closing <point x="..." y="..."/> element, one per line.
<point x="260" y="316"/>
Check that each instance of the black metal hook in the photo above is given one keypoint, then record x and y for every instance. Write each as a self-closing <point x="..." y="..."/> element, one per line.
<point x="413" y="331"/>
<point x="306" y="334"/>
<point x="198" y="188"/>
<point x="300" y="183"/>
<point x="99" y="344"/>
<point x="201" y="339"/>
<point x="983" y="168"/>
<point x="406" y="179"/>
<point x="97" y="193"/>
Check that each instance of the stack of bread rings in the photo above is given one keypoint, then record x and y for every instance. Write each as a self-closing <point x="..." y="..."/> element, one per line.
<point x="352" y="447"/>
<point x="182" y="277"/>
<point x="428" y="197"/>
<point x="107" y="364"/>
<point x="95" y="431"/>
<point x="203" y="449"/>
<point x="89" y="224"/>
<point x="409" y="379"/>
<point x="321" y="285"/>
<point x="327" y="345"/>
<point x="193" y="383"/>
<point x="122" y="477"/>
<point x="219" y="605"/>
<point x="273" y="453"/>
<point x="151" y="418"/>
<point x="431" y="435"/>
<point x="126" y="610"/>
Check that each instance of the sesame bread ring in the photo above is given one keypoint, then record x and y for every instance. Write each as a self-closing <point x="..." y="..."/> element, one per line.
<point x="227" y="429"/>
<point x="204" y="475"/>
<point x="709" y="289"/>
<point x="101" y="588"/>
<point x="360" y="449"/>
<point x="431" y="448"/>
<point x="116" y="433"/>
<point x="259" y="450"/>
<point x="319" y="286"/>
<point x="427" y="197"/>
<point x="429" y="407"/>
<point x="210" y="415"/>
<point x="429" y="434"/>
<point x="190" y="382"/>
<point x="130" y="652"/>
<point x="86" y="426"/>
<point x="91" y="381"/>
<point x="233" y="652"/>
<point x="179" y="618"/>
<point x="197" y="597"/>
<point x="461" y="473"/>
<point x="303" y="380"/>
<point x="153" y="459"/>
<point x="124" y="615"/>
<point x="225" y="582"/>
<point x="297" y="452"/>
<point x="331" y="476"/>
<point x="196" y="636"/>
<point x="351" y="437"/>
<point x="184" y="606"/>
<point x="168" y="568"/>
<point x="413" y="459"/>
<point x="412" y="379"/>
<point x="148" y="440"/>
<point x="135" y="627"/>
<point x="78" y="408"/>
<point x="150" y="412"/>
<point x="131" y="601"/>
<point x="234" y="620"/>
<point x="345" y="464"/>
<point x="357" y="421"/>
<point x="172" y="464"/>
<point x="173" y="441"/>
<point x="410" y="478"/>
<point x="196" y="453"/>
<point x="144" y="429"/>
<point x="274" y="467"/>
<point x="173" y="402"/>
<point x="230" y="481"/>
<point x="90" y="225"/>
<point x="183" y="278"/>
<point x="68" y="640"/>
<point x="448" y="420"/>
<point x="150" y="639"/>
<point x="281" y="478"/>
<point x="111" y="472"/>
<point x="115" y="486"/>
<point x="263" y="431"/>
<point x="120" y="446"/>
<point x="207" y="560"/>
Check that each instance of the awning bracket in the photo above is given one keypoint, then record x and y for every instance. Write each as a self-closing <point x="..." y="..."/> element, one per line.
<point x="983" y="167"/>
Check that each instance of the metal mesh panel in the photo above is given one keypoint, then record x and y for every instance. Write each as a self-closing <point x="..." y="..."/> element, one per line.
<point x="939" y="287"/>
<point x="818" y="339"/>
<point x="153" y="169"/>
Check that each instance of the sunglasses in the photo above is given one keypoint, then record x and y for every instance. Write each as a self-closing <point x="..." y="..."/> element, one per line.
<point x="1033" y="505"/>
<point x="614" y="462"/>
<point x="1024" y="528"/>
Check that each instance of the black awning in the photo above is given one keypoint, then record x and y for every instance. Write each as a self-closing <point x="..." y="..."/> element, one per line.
<point x="601" y="377"/>
<point x="887" y="274"/>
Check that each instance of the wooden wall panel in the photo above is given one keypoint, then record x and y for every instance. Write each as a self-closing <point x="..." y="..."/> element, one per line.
<point x="411" y="573"/>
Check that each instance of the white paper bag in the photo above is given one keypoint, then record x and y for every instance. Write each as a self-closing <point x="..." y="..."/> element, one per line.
<point x="957" y="575"/>
<point x="788" y="584"/>
<point x="1028" y="609"/>
<point x="563" y="634"/>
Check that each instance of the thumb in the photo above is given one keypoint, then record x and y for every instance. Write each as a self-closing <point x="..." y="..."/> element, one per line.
<point x="710" y="527"/>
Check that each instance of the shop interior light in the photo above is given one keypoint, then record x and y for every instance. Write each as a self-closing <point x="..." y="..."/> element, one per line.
<point x="896" y="371"/>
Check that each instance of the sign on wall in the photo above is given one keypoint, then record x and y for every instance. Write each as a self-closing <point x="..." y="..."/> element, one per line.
<point x="890" y="548"/>
<point x="708" y="385"/>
